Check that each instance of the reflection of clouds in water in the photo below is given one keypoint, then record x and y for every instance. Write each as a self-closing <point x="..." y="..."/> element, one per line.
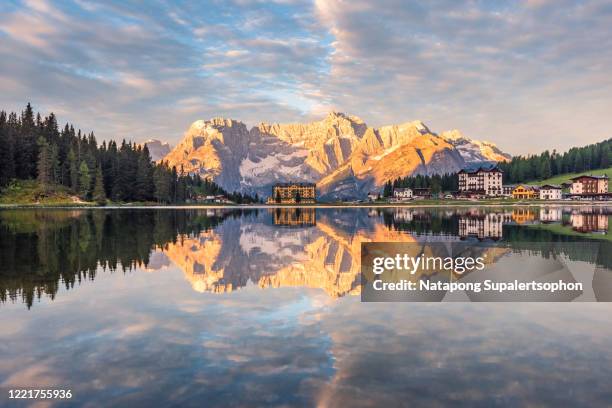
<point x="478" y="354"/>
<point x="158" y="341"/>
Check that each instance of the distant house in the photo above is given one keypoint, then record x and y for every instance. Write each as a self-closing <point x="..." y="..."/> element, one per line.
<point x="293" y="193"/>
<point x="402" y="194"/>
<point x="219" y="199"/>
<point x="589" y="185"/>
<point x="421" y="193"/>
<point x="373" y="196"/>
<point x="524" y="191"/>
<point x="507" y="189"/>
<point x="550" y="192"/>
<point x="481" y="181"/>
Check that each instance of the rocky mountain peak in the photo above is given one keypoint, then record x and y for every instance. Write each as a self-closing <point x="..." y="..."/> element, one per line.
<point x="474" y="150"/>
<point x="157" y="149"/>
<point x="339" y="152"/>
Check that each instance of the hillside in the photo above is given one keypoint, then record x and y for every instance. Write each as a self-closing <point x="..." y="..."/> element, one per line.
<point x="563" y="178"/>
<point x="29" y="192"/>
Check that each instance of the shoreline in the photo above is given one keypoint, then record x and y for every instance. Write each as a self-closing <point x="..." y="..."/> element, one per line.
<point x="446" y="204"/>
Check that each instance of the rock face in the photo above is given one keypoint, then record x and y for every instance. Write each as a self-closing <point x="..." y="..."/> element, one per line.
<point x="157" y="149"/>
<point x="340" y="153"/>
<point x="474" y="151"/>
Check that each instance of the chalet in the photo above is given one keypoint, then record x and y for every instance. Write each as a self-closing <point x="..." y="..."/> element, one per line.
<point x="421" y="193"/>
<point x="481" y="181"/>
<point x="524" y="191"/>
<point x="402" y="194"/>
<point x="589" y="186"/>
<point x="550" y="192"/>
<point x="293" y="193"/>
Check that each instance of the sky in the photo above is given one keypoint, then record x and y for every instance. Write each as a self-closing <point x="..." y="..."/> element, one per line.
<point x="528" y="75"/>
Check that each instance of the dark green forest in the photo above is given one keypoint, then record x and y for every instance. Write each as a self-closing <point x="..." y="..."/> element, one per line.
<point x="545" y="165"/>
<point x="34" y="148"/>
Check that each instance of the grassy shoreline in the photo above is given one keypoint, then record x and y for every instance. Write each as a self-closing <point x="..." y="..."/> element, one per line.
<point x="29" y="194"/>
<point x="418" y="204"/>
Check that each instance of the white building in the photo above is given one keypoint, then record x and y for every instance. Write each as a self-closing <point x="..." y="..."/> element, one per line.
<point x="550" y="192"/>
<point x="402" y="194"/>
<point x="481" y="182"/>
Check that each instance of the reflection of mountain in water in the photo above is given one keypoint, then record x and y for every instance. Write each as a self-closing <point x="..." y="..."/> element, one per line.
<point x="325" y="256"/>
<point x="222" y="250"/>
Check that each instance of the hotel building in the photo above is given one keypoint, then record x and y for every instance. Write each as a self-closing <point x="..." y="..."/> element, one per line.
<point x="293" y="193"/>
<point x="481" y="181"/>
<point x="589" y="185"/>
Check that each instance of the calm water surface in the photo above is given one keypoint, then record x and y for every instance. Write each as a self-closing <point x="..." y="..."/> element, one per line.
<point x="262" y="307"/>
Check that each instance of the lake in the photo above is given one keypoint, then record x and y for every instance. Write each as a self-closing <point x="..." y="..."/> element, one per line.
<point x="253" y="307"/>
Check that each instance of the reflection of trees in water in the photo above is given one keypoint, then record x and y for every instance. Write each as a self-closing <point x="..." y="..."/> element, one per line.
<point x="548" y="243"/>
<point x="39" y="249"/>
<point x="422" y="222"/>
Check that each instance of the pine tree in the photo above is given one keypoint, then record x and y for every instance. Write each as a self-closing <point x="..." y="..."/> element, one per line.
<point x="84" y="180"/>
<point x="388" y="189"/>
<point x="545" y="170"/>
<point x="44" y="165"/>
<point x="144" y="177"/>
<point x="604" y="162"/>
<point x="26" y="148"/>
<point x="99" y="195"/>
<point x="7" y="160"/>
<point x="73" y="171"/>
<point x="578" y="162"/>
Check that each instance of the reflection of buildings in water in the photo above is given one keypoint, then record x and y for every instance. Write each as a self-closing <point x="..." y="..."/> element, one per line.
<point x="295" y="217"/>
<point x="589" y="221"/>
<point x="482" y="225"/>
<point x="523" y="215"/>
<point x="551" y="214"/>
<point x="410" y="214"/>
<point x="403" y="215"/>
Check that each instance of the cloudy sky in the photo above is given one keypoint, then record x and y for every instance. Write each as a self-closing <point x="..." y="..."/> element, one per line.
<point x="527" y="75"/>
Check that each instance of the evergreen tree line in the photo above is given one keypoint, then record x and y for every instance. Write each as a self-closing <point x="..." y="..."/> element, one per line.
<point x="546" y="164"/>
<point x="437" y="183"/>
<point x="32" y="147"/>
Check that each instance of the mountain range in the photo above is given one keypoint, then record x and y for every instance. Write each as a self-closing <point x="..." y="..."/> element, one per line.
<point x="344" y="156"/>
